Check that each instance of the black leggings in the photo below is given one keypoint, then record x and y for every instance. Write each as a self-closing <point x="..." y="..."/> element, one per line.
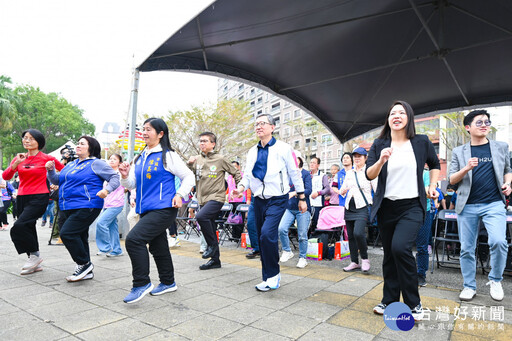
<point x="3" y="212"/>
<point x="356" y="230"/>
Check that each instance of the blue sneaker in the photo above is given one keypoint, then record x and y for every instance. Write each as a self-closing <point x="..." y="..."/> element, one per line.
<point x="138" y="293"/>
<point x="163" y="289"/>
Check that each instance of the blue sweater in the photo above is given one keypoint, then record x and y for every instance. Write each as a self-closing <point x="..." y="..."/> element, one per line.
<point x="293" y="203"/>
<point x="80" y="181"/>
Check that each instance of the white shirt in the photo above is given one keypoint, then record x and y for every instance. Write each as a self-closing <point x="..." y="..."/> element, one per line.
<point x="401" y="182"/>
<point x="366" y="185"/>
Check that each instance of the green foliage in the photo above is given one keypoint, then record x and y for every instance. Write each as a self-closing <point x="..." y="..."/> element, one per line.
<point x="7" y="103"/>
<point x="228" y="120"/>
<point x="53" y="115"/>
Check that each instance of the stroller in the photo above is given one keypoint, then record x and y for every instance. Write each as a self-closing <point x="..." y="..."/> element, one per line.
<point x="330" y="227"/>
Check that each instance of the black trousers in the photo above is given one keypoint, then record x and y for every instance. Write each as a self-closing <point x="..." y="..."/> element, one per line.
<point x="23" y="233"/>
<point x="74" y="232"/>
<point x="206" y="219"/>
<point x="399" y="223"/>
<point x="3" y="212"/>
<point x="151" y="229"/>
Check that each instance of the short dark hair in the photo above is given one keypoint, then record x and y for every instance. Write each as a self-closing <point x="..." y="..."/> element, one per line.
<point x="349" y="154"/>
<point x="317" y="159"/>
<point x="468" y="119"/>
<point x="237" y="163"/>
<point x="410" y="129"/>
<point x="37" y="135"/>
<point x="211" y="136"/>
<point x="94" y="146"/>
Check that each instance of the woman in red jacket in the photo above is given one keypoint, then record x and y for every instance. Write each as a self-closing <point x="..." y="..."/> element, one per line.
<point x="32" y="196"/>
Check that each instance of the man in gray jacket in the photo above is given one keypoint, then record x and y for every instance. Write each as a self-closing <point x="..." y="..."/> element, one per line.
<point x="481" y="169"/>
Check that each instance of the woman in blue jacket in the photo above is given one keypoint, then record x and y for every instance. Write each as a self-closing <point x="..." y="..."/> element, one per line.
<point x="157" y="201"/>
<point x="81" y="197"/>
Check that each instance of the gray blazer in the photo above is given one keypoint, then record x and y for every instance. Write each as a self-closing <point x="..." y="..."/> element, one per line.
<point x="460" y="158"/>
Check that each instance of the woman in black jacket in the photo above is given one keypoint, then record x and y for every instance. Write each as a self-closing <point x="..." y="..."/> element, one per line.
<point x="397" y="157"/>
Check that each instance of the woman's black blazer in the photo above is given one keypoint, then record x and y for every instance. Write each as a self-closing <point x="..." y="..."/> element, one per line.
<point x="424" y="152"/>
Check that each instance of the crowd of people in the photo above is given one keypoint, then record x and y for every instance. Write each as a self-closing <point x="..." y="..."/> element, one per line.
<point x="395" y="182"/>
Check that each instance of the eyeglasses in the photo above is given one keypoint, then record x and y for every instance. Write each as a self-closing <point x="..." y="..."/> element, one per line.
<point x="204" y="141"/>
<point x="479" y="123"/>
<point x="260" y="124"/>
<point x="29" y="139"/>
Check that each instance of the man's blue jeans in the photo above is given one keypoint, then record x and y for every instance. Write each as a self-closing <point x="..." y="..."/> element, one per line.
<point x="49" y="212"/>
<point x="494" y="218"/>
<point x="107" y="231"/>
<point x="287" y="220"/>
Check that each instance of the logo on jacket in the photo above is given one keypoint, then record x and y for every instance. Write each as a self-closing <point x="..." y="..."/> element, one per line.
<point x="213" y="168"/>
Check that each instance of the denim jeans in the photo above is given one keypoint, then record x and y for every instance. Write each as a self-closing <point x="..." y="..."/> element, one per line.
<point x="494" y="218"/>
<point x="49" y="212"/>
<point x="107" y="231"/>
<point x="422" y="241"/>
<point x="287" y="220"/>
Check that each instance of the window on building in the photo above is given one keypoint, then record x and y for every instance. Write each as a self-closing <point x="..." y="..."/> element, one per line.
<point x="296" y="114"/>
<point x="276" y="107"/>
<point x="252" y="104"/>
<point x="253" y="92"/>
<point x="278" y="121"/>
<point x="296" y="130"/>
<point x="241" y="98"/>
<point x="286" y="132"/>
<point x="259" y="112"/>
<point x="259" y="100"/>
<point x="296" y="144"/>
<point x="339" y="153"/>
<point x="240" y="87"/>
<point x="329" y="154"/>
<point x="286" y="117"/>
<point x="327" y="139"/>
<point x="226" y="88"/>
<point x="287" y="104"/>
<point x="307" y="116"/>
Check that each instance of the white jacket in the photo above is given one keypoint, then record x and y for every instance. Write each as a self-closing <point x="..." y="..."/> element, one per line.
<point x="281" y="167"/>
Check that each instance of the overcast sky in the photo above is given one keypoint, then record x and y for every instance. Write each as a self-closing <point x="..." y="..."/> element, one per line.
<point x="85" y="50"/>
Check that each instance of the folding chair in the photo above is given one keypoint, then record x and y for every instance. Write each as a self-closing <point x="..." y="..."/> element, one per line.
<point x="222" y="217"/>
<point x="192" y="222"/>
<point x="445" y="216"/>
<point x="229" y="227"/>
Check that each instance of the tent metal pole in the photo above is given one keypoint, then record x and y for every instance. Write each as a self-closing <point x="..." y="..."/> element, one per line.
<point x="133" y="114"/>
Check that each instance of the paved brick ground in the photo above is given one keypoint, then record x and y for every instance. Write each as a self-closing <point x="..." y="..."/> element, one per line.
<point x="316" y="303"/>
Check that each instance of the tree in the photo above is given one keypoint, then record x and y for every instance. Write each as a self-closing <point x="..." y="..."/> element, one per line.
<point x="228" y="120"/>
<point x="54" y="116"/>
<point x="7" y="108"/>
<point x="309" y="131"/>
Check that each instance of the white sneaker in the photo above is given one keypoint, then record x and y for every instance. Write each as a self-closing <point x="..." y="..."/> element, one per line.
<point x="174" y="242"/>
<point x="274" y="282"/>
<point x="31" y="271"/>
<point x="286" y="256"/>
<point x="496" y="290"/>
<point x="302" y="263"/>
<point x="467" y="294"/>
<point x="32" y="262"/>
<point x="101" y="253"/>
<point x="262" y="286"/>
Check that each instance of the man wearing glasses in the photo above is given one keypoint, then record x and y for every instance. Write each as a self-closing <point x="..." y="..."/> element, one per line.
<point x="269" y="167"/>
<point x="481" y="169"/>
<point x="210" y="168"/>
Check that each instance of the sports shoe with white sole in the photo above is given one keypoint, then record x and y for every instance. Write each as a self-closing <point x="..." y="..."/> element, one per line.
<point x="496" y="290"/>
<point x="379" y="308"/>
<point x="174" y="242"/>
<point x="32" y="262"/>
<point x="467" y="294"/>
<point x="163" y="289"/>
<point x="286" y="256"/>
<point x="80" y="272"/>
<point x="417" y="313"/>
<point x="302" y="263"/>
<point x="274" y="282"/>
<point x="263" y="286"/>
<point x="138" y="293"/>
<point x="31" y="271"/>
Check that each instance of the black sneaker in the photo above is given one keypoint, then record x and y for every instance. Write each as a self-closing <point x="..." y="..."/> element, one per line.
<point x="379" y="308"/>
<point x="253" y="254"/>
<point x="422" y="281"/>
<point x="80" y="272"/>
<point x="417" y="313"/>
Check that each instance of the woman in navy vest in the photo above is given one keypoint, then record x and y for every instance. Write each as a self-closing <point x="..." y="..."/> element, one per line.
<point x="157" y="201"/>
<point x="81" y="197"/>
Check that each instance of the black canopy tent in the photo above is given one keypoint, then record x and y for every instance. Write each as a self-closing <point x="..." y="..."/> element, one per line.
<point x="345" y="61"/>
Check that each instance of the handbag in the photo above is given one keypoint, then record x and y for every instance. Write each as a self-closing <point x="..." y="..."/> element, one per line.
<point x="235" y="219"/>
